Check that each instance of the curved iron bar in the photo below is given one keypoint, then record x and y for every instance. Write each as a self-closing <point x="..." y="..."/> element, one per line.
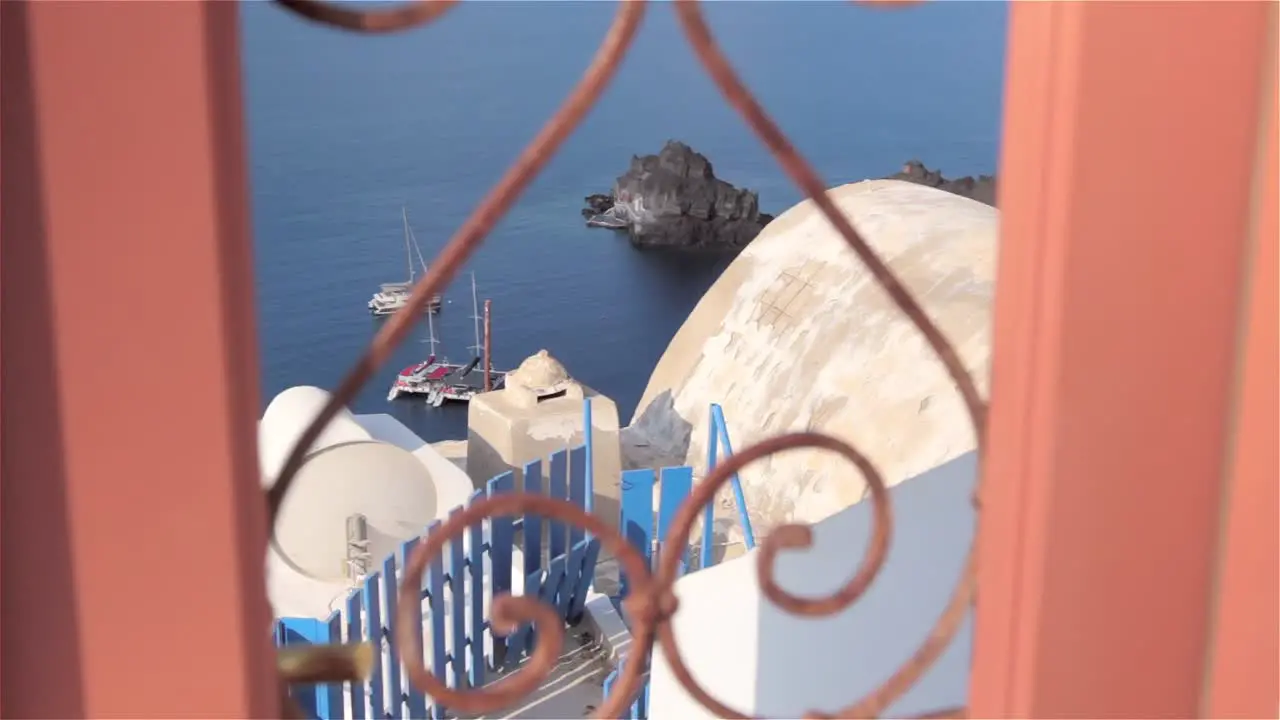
<point x="402" y="17"/>
<point x="785" y="537"/>
<point x="652" y="599"/>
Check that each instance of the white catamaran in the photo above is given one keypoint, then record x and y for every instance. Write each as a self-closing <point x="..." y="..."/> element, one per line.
<point x="440" y="380"/>
<point x="393" y="296"/>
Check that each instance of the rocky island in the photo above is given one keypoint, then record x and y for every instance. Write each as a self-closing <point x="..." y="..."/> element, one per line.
<point x="981" y="188"/>
<point x="674" y="200"/>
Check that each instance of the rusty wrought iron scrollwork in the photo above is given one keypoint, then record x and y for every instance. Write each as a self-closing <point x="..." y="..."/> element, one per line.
<point x="651" y="602"/>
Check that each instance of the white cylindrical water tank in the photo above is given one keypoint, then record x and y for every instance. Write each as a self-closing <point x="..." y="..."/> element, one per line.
<point x="346" y="474"/>
<point x="287" y="416"/>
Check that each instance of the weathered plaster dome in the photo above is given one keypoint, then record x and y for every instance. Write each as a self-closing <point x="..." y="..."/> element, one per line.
<point x="796" y="335"/>
<point x="541" y="374"/>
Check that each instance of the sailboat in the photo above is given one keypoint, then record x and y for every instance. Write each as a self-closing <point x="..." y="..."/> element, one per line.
<point x="441" y="381"/>
<point x="393" y="296"/>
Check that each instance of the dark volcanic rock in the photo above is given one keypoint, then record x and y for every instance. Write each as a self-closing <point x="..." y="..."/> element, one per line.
<point x="596" y="204"/>
<point x="673" y="199"/>
<point x="981" y="188"/>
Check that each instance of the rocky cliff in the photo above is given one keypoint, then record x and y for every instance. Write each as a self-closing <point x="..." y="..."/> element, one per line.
<point x="673" y="199"/>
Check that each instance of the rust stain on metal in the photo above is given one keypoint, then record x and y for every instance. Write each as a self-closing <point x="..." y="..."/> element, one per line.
<point x="652" y="600"/>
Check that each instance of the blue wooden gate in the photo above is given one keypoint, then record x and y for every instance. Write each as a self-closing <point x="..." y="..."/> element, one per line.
<point x="636" y="522"/>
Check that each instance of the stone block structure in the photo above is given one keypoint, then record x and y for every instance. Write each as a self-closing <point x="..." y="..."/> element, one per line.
<point x="540" y="411"/>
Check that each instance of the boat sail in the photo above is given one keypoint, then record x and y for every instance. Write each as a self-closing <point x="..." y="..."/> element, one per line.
<point x="393" y="296"/>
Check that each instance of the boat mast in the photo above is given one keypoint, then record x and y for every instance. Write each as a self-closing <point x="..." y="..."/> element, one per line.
<point x="417" y="250"/>
<point x="488" y="349"/>
<point x="475" y="317"/>
<point x="408" y="251"/>
<point x="431" y="334"/>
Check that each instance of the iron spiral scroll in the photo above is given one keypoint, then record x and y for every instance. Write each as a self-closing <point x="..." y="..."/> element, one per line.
<point x="652" y="601"/>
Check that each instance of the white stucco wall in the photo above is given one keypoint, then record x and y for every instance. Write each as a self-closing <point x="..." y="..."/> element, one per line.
<point x="796" y="335"/>
<point x="760" y="660"/>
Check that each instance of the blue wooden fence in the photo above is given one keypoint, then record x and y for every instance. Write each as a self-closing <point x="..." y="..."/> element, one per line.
<point x="458" y="588"/>
<point x="637" y="522"/>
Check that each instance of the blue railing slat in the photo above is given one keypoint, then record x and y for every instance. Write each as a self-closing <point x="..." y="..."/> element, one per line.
<point x="548" y="593"/>
<point x="558" y="488"/>
<point x="501" y="536"/>
<point x="721" y="431"/>
<point x="578" y="488"/>
<point x="518" y="642"/>
<point x="475" y="567"/>
<point x="611" y="678"/>
<point x="636" y="514"/>
<point x="586" y="575"/>
<point x="569" y="568"/>
<point x="458" y="626"/>
<point x="394" y="700"/>
<point x="355" y="633"/>
<point x="709" y="512"/>
<point x="415" y="701"/>
<point x="435" y="586"/>
<point x="373" y="633"/>
<point x="329" y="704"/>
<point x="314" y="700"/>
<point x="532" y="523"/>
<point x="675" y="486"/>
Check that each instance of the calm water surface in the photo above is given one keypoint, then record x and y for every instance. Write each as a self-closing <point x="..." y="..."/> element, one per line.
<point x="345" y="130"/>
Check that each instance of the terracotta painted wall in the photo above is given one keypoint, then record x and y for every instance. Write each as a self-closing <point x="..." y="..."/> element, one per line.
<point x="1128" y="529"/>
<point x="1130" y="190"/>
<point x="127" y="278"/>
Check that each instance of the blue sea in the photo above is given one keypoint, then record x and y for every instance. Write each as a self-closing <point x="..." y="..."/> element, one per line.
<point x="345" y="130"/>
